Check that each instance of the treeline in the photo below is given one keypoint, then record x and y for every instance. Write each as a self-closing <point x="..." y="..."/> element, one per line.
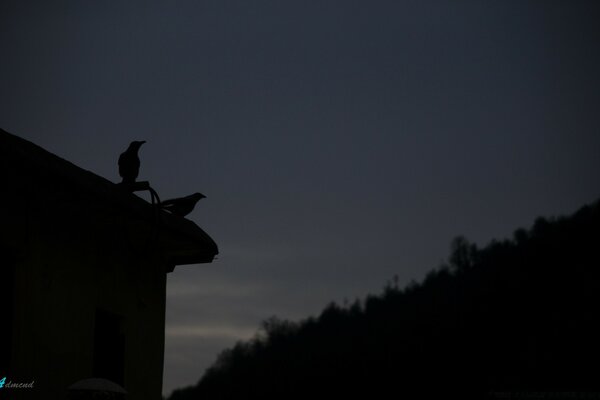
<point x="517" y="316"/>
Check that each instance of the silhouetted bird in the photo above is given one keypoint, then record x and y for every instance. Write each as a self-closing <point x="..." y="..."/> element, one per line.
<point x="182" y="206"/>
<point x="129" y="162"/>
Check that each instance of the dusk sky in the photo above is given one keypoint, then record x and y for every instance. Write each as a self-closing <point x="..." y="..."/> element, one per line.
<point x="339" y="143"/>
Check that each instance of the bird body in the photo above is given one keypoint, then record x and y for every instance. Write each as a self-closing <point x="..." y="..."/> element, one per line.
<point x="129" y="162"/>
<point x="182" y="206"/>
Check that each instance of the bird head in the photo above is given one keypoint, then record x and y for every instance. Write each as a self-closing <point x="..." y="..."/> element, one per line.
<point x="198" y="196"/>
<point x="135" y="145"/>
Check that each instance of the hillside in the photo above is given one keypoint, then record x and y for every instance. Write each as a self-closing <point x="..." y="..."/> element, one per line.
<point x="517" y="316"/>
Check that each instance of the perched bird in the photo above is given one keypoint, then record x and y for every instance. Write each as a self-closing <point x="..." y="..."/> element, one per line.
<point x="129" y="162"/>
<point x="182" y="206"/>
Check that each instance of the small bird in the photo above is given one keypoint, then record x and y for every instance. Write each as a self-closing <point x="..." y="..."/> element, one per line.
<point x="182" y="206"/>
<point x="129" y="162"/>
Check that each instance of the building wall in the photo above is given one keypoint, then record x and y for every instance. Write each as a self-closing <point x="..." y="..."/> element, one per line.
<point x="75" y="261"/>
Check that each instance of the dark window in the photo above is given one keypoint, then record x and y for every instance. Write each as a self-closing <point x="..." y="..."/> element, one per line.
<point x="109" y="347"/>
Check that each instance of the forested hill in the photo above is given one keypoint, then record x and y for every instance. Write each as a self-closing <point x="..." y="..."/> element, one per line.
<point x="515" y="317"/>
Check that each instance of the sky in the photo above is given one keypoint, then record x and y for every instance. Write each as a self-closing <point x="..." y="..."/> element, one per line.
<point x="339" y="143"/>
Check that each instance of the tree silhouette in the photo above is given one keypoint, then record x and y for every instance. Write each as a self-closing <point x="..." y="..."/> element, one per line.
<point x="516" y="316"/>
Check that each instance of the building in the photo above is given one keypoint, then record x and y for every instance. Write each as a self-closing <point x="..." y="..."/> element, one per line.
<point x="83" y="276"/>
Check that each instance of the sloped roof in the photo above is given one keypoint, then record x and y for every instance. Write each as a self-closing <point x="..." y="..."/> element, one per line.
<point x="22" y="161"/>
